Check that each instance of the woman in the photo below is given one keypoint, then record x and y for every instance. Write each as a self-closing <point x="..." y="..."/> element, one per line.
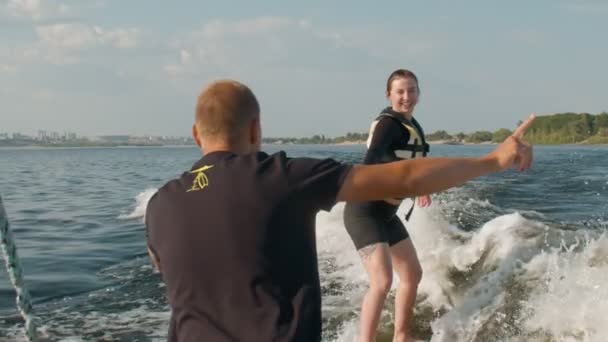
<point x="376" y="230"/>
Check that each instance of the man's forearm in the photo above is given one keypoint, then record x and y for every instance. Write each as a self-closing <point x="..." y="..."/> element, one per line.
<point x="430" y="175"/>
<point x="410" y="178"/>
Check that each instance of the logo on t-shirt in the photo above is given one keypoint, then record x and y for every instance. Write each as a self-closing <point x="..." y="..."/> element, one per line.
<point x="200" y="180"/>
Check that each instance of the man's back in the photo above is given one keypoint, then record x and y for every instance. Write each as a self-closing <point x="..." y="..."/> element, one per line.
<point x="236" y="243"/>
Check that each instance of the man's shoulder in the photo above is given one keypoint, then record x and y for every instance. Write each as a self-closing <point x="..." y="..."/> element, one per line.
<point x="162" y="191"/>
<point x="295" y="167"/>
<point x="183" y="181"/>
<point x="267" y="161"/>
<point x="277" y="155"/>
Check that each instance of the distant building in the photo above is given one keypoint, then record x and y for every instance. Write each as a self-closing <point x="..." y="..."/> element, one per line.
<point x="19" y="136"/>
<point x="118" y="139"/>
<point x="42" y="135"/>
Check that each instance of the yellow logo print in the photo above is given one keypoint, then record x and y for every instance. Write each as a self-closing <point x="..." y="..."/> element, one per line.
<point x="200" y="181"/>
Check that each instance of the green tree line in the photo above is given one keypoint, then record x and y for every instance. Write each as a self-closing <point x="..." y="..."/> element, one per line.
<point x="318" y="139"/>
<point x="561" y="128"/>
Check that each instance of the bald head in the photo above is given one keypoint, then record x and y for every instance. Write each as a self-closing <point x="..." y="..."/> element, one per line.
<point x="224" y="111"/>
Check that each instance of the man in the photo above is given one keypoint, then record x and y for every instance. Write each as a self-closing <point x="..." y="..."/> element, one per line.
<point x="234" y="237"/>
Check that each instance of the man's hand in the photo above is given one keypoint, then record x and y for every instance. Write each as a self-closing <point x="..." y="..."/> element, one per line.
<point x="423" y="201"/>
<point x="514" y="151"/>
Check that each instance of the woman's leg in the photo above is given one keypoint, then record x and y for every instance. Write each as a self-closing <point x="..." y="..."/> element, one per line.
<point x="377" y="262"/>
<point x="406" y="265"/>
<point x="365" y="225"/>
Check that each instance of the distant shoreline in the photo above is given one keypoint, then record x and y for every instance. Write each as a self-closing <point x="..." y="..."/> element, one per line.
<point x="456" y="143"/>
<point x="76" y="145"/>
<point x="342" y="143"/>
<point x="436" y="142"/>
<point x="555" y="129"/>
<point x="462" y="143"/>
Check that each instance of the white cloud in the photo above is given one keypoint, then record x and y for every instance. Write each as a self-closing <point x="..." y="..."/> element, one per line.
<point x="36" y="10"/>
<point x="64" y="43"/>
<point x="59" y="39"/>
<point x="587" y="6"/>
<point x="6" y="68"/>
<point x="61" y="43"/>
<point x="185" y="57"/>
<point x="77" y="36"/>
<point x="16" y="55"/>
<point x="221" y="43"/>
<point x="281" y="42"/>
<point x="173" y="70"/>
<point x="254" y="26"/>
<point x="25" y="8"/>
<point x="118" y="38"/>
<point x="70" y="36"/>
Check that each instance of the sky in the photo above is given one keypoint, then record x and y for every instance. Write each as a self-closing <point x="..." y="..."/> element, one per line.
<point x="317" y="67"/>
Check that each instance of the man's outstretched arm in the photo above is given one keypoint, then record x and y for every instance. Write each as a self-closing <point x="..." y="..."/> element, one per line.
<point x="429" y="175"/>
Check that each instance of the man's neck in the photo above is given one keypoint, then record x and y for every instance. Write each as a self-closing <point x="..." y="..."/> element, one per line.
<point x="236" y="149"/>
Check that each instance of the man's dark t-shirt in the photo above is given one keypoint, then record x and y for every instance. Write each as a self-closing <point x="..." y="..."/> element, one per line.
<point x="235" y="237"/>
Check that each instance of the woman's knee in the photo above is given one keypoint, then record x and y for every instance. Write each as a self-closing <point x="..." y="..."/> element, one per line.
<point x="411" y="275"/>
<point x="381" y="281"/>
<point x="377" y="261"/>
<point x="417" y="273"/>
<point x="406" y="263"/>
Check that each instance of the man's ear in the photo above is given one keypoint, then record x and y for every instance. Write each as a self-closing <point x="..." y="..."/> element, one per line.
<point x="255" y="134"/>
<point x="154" y="260"/>
<point x="197" y="140"/>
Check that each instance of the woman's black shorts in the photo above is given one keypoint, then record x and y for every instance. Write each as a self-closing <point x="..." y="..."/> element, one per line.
<point x="373" y="222"/>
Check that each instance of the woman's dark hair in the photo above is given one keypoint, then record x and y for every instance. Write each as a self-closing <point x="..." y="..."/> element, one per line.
<point x="400" y="73"/>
